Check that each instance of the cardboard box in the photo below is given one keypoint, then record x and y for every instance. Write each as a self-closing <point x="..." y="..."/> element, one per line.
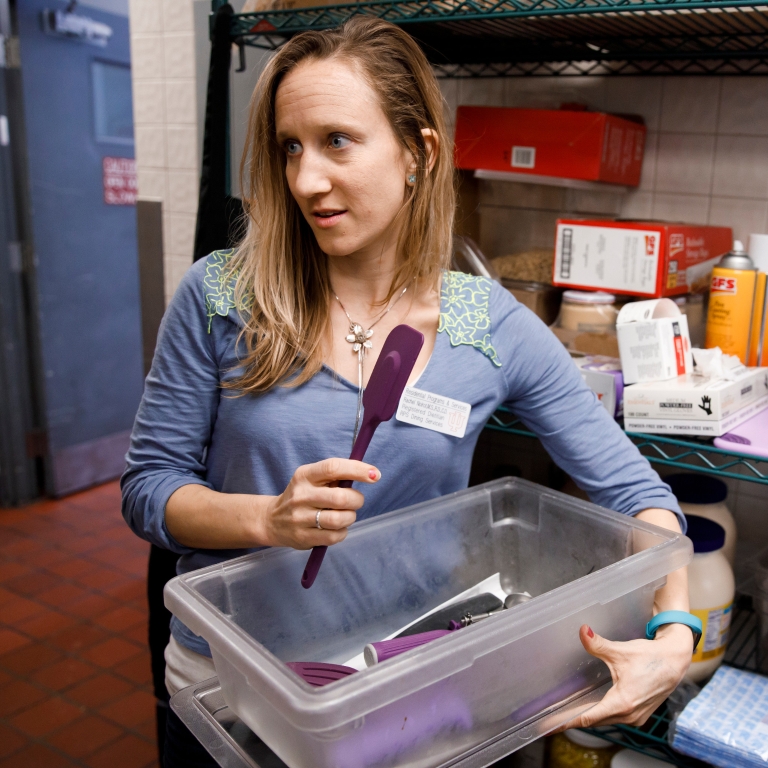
<point x="696" y="398"/>
<point x="592" y="146"/>
<point x="637" y="258"/>
<point x="603" y="376"/>
<point x="654" y="344"/>
<point x="696" y="427"/>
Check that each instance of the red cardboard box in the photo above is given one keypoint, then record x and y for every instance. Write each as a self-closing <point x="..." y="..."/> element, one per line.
<point x="637" y="258"/>
<point x="548" y="142"/>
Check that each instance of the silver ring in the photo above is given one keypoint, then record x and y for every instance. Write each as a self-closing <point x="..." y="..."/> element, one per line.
<point x="317" y="519"/>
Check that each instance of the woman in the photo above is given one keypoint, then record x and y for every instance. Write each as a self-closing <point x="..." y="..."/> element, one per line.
<point x="253" y="395"/>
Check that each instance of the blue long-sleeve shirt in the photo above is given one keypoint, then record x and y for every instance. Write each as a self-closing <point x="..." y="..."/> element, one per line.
<point x="489" y="350"/>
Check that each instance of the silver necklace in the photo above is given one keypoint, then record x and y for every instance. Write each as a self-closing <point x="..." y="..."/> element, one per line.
<point x="360" y="339"/>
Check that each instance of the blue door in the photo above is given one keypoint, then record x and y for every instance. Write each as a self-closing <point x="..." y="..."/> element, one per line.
<point x="79" y="135"/>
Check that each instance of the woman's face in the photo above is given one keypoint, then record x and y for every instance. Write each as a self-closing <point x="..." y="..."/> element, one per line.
<point x="344" y="166"/>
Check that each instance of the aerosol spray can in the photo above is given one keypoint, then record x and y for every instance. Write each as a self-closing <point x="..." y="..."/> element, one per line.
<point x="758" y="251"/>
<point x="758" y="350"/>
<point x="734" y="319"/>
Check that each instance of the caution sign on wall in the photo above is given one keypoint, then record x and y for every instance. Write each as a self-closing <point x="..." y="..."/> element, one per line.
<point x="120" y="185"/>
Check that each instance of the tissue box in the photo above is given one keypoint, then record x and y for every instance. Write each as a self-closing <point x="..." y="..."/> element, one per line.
<point x="654" y="344"/>
<point x="695" y="405"/>
<point x="592" y="146"/>
<point x="603" y="376"/>
<point x="637" y="258"/>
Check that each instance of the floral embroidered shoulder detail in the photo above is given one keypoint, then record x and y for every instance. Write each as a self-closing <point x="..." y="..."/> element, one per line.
<point x="464" y="312"/>
<point x="219" y="286"/>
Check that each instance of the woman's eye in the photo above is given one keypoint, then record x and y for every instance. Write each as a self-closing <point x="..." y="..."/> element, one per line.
<point x="339" y="142"/>
<point x="292" y="147"/>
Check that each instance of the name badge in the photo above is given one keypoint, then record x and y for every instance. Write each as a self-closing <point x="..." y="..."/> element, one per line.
<point x="435" y="412"/>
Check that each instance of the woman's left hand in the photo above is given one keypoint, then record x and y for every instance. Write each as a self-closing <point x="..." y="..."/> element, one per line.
<point x="644" y="673"/>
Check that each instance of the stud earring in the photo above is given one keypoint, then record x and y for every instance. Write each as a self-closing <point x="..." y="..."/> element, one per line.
<point x="411" y="178"/>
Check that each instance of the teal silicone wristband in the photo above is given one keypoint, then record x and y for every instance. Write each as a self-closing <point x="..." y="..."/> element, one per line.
<point x="675" y="617"/>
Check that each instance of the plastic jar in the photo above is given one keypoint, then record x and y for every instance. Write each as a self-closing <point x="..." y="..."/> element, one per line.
<point x="588" y="311"/>
<point x="577" y="749"/>
<point x="627" y="758"/>
<point x="710" y="590"/>
<point x="705" y="496"/>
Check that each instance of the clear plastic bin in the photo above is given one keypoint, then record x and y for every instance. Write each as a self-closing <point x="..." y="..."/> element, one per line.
<point x="522" y="672"/>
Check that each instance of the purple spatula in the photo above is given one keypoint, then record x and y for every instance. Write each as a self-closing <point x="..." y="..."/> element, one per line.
<point x="380" y="399"/>
<point x="318" y="673"/>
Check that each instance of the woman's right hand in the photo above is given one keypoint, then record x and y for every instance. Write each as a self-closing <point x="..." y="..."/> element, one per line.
<point x="290" y="519"/>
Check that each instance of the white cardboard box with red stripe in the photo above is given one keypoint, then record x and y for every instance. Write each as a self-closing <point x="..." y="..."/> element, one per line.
<point x="637" y="258"/>
<point x="654" y="344"/>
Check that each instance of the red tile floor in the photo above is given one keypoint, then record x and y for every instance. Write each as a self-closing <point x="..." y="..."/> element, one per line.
<point x="75" y="686"/>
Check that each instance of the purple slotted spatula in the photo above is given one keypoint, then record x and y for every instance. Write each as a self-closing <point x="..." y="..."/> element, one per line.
<point x="380" y="399"/>
<point x="319" y="674"/>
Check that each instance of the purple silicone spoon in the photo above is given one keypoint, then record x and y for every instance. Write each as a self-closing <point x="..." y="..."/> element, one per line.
<point x="318" y="673"/>
<point x="380" y="399"/>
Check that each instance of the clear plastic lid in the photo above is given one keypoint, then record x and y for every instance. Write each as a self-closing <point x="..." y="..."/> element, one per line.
<point x="589" y="297"/>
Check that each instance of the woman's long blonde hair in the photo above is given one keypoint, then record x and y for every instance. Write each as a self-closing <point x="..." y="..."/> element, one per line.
<point x="282" y="275"/>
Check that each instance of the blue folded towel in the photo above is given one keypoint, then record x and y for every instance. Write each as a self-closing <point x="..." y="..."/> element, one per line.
<point x="727" y="723"/>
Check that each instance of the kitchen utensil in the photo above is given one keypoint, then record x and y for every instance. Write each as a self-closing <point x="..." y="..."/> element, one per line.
<point x="513" y="599"/>
<point x="386" y="649"/>
<point x="380" y="400"/>
<point x="751" y="437"/>
<point x="318" y="673"/>
<point x="484" y="603"/>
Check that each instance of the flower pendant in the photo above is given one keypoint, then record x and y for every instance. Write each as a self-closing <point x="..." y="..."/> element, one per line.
<point x="358" y="337"/>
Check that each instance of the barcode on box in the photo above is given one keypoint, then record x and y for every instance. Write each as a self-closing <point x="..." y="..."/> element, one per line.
<point x="523" y="157"/>
<point x="566" y="252"/>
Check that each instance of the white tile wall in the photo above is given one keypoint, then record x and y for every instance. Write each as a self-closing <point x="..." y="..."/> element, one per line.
<point x="637" y="205"/>
<point x="684" y="163"/>
<point x="741" y="166"/>
<point x="743" y="107"/>
<point x="745" y="216"/>
<point x="150" y="147"/>
<point x="178" y="49"/>
<point x="146" y="55"/>
<point x="182" y="191"/>
<point x="148" y="102"/>
<point x="165" y="117"/>
<point x="182" y="146"/>
<point x="648" y="173"/>
<point x="146" y="16"/>
<point x="690" y="106"/>
<point x="690" y="208"/>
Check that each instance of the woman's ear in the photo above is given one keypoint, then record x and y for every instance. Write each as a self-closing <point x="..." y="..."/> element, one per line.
<point x="432" y="143"/>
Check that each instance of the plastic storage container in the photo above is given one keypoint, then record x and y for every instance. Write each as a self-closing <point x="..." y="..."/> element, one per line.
<point x="588" y="311"/>
<point x="509" y="679"/>
<point x="704" y="496"/>
<point x="711" y="589"/>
